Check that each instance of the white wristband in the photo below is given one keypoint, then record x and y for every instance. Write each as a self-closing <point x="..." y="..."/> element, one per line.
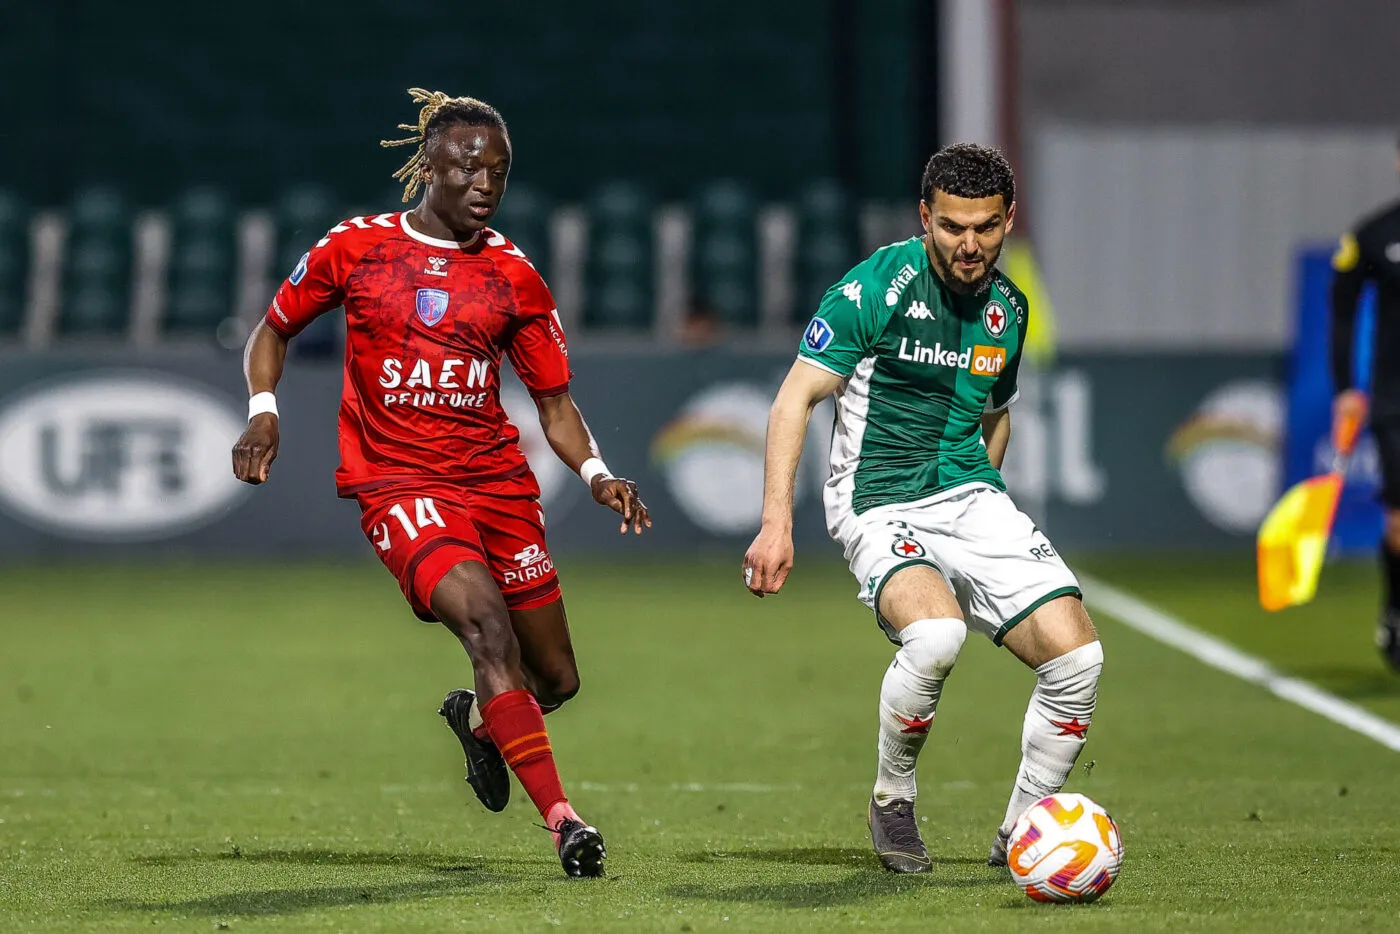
<point x="592" y="469"/>
<point x="260" y="403"/>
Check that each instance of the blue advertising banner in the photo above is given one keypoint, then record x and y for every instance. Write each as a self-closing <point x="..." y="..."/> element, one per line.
<point x="1307" y="449"/>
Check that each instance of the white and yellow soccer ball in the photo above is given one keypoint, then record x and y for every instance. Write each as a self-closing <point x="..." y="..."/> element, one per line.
<point x="1064" y="848"/>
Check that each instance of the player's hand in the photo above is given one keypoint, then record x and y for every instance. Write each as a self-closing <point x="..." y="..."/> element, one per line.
<point x="256" y="449"/>
<point x="1348" y="409"/>
<point x="621" y="496"/>
<point x="768" y="561"/>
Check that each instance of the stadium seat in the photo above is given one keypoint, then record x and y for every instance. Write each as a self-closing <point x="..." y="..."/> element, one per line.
<point x="724" y="257"/>
<point x="303" y="215"/>
<point x="97" y="268"/>
<point x="14" y="263"/>
<point x="826" y="244"/>
<point x="203" y="255"/>
<point x="619" y="264"/>
<point x="524" y="218"/>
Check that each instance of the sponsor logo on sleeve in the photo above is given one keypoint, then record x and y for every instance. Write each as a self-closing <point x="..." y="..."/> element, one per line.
<point x="299" y="272"/>
<point x="898" y="284"/>
<point x="819" y="334"/>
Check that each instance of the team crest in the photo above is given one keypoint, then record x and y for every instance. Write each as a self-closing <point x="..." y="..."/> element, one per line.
<point x="994" y="319"/>
<point x="432" y="305"/>
<point x="906" y="547"/>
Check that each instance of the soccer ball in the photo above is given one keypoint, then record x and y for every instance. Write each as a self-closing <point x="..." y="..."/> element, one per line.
<point x="1064" y="848"/>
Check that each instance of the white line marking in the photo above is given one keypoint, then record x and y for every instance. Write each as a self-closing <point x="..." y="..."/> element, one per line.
<point x="1217" y="653"/>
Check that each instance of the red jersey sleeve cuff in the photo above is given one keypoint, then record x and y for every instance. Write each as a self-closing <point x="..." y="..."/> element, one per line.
<point x="551" y="391"/>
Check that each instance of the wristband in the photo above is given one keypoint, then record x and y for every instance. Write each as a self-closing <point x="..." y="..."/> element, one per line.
<point x="592" y="469"/>
<point x="260" y="403"/>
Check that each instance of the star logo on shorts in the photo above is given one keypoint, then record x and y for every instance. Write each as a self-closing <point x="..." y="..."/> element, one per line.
<point x="915" y="725"/>
<point x="1073" y="728"/>
<point x="905" y="547"/>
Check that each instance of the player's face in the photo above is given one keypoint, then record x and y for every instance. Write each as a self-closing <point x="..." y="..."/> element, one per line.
<point x="965" y="237"/>
<point x="466" y="176"/>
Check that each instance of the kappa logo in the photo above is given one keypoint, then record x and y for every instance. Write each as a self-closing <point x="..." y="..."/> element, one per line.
<point x="434" y="267"/>
<point x="852" y="291"/>
<point x="994" y="318"/>
<point x="431" y="306"/>
<point x="919" y="311"/>
<point x="819" y="334"/>
<point x="299" y="272"/>
<point x="897" y="285"/>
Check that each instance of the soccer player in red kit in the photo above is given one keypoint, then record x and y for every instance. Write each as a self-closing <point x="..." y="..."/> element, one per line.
<point x="433" y="299"/>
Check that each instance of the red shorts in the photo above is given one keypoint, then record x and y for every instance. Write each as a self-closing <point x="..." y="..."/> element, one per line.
<point x="421" y="530"/>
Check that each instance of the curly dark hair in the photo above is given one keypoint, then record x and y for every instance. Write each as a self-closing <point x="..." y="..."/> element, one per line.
<point x="966" y="170"/>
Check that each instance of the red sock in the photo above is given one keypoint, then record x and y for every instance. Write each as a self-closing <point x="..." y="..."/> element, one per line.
<point x="517" y="728"/>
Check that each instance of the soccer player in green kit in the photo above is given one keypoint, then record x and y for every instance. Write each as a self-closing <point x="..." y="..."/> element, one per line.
<point x="920" y="344"/>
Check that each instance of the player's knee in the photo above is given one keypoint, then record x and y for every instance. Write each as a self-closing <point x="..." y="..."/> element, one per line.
<point x="1392" y="531"/>
<point x="487" y="637"/>
<point x="558" y="688"/>
<point x="1069" y="684"/>
<point x="930" y="647"/>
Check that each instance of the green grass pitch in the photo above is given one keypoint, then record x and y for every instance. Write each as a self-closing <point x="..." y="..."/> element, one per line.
<point x="256" y="748"/>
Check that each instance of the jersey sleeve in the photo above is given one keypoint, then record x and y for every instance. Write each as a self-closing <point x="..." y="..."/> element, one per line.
<point x="316" y="285"/>
<point x="1350" y="273"/>
<point x="846" y="327"/>
<point x="1004" y="390"/>
<point x="537" y="350"/>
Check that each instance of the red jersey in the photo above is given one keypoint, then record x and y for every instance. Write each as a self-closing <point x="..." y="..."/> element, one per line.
<point x="427" y="323"/>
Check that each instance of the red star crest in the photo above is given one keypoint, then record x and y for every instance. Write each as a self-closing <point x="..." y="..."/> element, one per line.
<point x="915" y="725"/>
<point x="994" y="319"/>
<point x="1073" y="728"/>
<point x="907" y="548"/>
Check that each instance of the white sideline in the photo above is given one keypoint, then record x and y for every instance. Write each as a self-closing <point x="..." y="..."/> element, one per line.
<point x="1219" y="654"/>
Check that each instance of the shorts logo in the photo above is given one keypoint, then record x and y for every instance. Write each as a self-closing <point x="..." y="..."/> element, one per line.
<point x="987" y="361"/>
<point x="299" y="272"/>
<point x="819" y="336"/>
<point x="905" y="547"/>
<point x="994" y="318"/>
<point x="534" y="564"/>
<point x="432" y="305"/>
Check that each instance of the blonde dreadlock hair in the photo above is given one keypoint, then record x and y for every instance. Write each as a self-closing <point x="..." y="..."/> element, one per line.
<point x="439" y="110"/>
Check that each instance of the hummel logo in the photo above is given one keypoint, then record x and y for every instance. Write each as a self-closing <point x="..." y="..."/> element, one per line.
<point x="919" y="310"/>
<point x="436" y="262"/>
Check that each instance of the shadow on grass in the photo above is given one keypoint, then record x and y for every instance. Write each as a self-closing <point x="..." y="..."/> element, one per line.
<point x="1356" y="682"/>
<point x="286" y="901"/>
<point x="428" y="862"/>
<point x="854" y="857"/>
<point x="853" y="889"/>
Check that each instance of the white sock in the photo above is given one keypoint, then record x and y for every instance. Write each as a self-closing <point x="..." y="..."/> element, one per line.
<point x="1057" y="721"/>
<point x="908" y="698"/>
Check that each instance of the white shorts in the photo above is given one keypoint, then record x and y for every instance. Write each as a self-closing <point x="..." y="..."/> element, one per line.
<point x="999" y="565"/>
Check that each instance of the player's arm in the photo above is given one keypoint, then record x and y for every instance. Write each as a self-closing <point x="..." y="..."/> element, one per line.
<point x="313" y="288"/>
<point x="574" y="444"/>
<point x="770" y="557"/>
<point x="996" y="434"/>
<point x="263" y="360"/>
<point x="1350" y="276"/>
<point x="539" y="354"/>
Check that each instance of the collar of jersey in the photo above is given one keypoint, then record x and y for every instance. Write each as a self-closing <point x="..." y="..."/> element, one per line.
<point x="434" y="241"/>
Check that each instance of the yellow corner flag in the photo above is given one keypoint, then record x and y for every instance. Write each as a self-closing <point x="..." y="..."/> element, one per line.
<point x="1292" y="542"/>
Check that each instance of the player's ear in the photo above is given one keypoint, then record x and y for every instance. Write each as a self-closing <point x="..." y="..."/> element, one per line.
<point x="1010" y="216"/>
<point x="925" y="216"/>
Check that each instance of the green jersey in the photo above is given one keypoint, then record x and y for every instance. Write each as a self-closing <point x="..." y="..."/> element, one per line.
<point x="922" y="366"/>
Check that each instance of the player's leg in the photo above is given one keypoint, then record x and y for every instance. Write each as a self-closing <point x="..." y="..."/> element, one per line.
<point x="546" y="653"/>
<point x="920" y="614"/>
<point x="471" y="606"/>
<point x="1023" y="596"/>
<point x="1388" y="629"/>
<point x="1059" y="643"/>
